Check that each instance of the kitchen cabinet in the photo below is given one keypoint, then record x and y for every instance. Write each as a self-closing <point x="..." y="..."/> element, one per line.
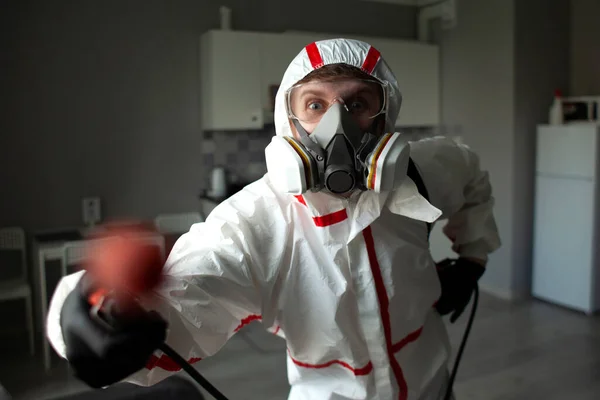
<point x="229" y="81"/>
<point x="240" y="71"/>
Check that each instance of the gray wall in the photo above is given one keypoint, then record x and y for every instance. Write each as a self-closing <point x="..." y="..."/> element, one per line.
<point x="541" y="65"/>
<point x="478" y="102"/>
<point x="585" y="48"/>
<point x="499" y="68"/>
<point x="101" y="98"/>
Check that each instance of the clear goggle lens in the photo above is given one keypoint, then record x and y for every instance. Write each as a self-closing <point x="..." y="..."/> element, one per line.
<point x="364" y="99"/>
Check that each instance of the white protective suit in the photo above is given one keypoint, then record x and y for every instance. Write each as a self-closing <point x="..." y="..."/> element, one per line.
<point x="349" y="283"/>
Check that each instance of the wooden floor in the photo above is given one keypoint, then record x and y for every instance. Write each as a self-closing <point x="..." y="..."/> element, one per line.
<point x="529" y="350"/>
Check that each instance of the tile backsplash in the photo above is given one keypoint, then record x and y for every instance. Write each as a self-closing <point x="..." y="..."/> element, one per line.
<point x="242" y="153"/>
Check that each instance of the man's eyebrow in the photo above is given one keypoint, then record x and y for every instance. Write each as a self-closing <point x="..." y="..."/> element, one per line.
<point x="368" y="89"/>
<point x="360" y="90"/>
<point x="311" y="92"/>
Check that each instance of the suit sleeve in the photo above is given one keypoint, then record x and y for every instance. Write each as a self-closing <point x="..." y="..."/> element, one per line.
<point x="216" y="280"/>
<point x="461" y="189"/>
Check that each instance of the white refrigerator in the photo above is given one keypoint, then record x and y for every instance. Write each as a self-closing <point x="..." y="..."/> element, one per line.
<point x="566" y="255"/>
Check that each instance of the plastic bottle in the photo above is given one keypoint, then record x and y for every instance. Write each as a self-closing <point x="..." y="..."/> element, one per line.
<point x="225" y="13"/>
<point x="556" y="110"/>
<point x="218" y="182"/>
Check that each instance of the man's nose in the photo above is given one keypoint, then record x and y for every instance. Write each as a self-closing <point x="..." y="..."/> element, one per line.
<point x="340" y="101"/>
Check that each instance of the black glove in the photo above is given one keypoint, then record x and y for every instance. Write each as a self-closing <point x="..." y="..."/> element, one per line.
<point x="102" y="354"/>
<point x="458" y="278"/>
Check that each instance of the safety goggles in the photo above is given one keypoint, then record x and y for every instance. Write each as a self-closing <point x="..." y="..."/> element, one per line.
<point x="363" y="98"/>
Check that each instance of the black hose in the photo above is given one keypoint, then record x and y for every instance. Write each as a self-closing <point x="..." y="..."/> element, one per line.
<point x="196" y="376"/>
<point x="463" y="343"/>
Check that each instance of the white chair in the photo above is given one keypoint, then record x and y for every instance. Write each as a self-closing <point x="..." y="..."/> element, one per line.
<point x="13" y="238"/>
<point x="177" y="223"/>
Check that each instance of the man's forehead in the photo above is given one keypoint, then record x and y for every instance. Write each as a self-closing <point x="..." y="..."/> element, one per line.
<point x="339" y="85"/>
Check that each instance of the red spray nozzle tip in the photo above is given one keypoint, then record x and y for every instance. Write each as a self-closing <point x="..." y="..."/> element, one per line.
<point x="121" y="259"/>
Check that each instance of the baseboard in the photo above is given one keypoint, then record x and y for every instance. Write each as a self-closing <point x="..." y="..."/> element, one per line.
<point x="565" y="306"/>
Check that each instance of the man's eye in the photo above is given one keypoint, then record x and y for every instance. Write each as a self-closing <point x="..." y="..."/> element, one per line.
<point x="315" y="106"/>
<point x="357" y="105"/>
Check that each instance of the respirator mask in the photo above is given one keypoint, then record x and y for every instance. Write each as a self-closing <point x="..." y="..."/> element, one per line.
<point x="338" y="148"/>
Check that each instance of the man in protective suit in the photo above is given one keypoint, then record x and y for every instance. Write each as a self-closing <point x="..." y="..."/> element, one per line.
<point x="329" y="250"/>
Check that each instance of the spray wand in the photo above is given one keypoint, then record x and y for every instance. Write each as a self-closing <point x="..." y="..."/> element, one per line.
<point x="125" y="268"/>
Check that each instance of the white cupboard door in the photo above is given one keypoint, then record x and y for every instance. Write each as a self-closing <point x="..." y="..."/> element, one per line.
<point x="563" y="243"/>
<point x="230" y="83"/>
<point x="567" y="150"/>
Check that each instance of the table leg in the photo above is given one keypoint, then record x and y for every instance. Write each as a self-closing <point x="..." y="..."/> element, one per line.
<point x="30" y="326"/>
<point x="44" y="305"/>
